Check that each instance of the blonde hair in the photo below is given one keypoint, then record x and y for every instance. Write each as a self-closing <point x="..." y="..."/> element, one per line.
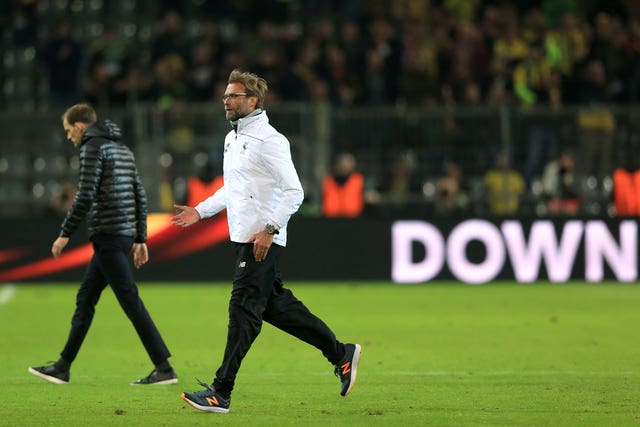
<point x="254" y="85"/>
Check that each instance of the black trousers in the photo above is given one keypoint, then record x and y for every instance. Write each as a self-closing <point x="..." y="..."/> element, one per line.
<point x="257" y="295"/>
<point x="110" y="265"/>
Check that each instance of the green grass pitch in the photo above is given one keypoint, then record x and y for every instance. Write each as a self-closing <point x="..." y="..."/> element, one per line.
<point x="441" y="354"/>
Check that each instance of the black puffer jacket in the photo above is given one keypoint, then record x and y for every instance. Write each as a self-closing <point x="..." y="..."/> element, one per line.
<point x="110" y="190"/>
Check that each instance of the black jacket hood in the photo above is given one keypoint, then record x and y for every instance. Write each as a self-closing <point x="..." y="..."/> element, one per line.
<point x="105" y="129"/>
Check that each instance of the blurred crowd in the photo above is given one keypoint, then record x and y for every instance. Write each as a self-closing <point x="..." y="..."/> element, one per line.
<point x="348" y="52"/>
<point x="404" y="53"/>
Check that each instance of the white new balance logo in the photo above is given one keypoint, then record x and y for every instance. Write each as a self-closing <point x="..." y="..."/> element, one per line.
<point x="243" y="264"/>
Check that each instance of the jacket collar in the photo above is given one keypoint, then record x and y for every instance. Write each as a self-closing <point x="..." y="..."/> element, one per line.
<point x="258" y="115"/>
<point x="105" y="129"/>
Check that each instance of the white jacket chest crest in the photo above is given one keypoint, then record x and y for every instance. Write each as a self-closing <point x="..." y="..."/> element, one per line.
<point x="242" y="152"/>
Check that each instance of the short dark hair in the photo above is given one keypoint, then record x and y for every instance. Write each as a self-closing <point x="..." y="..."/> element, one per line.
<point x="83" y="113"/>
<point x="253" y="84"/>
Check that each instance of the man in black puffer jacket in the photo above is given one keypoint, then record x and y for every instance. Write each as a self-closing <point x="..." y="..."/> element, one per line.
<point x="111" y="195"/>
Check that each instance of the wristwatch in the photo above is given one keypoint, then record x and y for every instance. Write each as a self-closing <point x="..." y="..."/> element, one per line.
<point x="271" y="229"/>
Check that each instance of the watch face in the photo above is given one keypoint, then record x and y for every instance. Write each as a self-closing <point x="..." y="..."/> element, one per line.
<point x="271" y="229"/>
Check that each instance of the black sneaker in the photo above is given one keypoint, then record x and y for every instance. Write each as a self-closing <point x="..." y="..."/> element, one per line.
<point x="347" y="369"/>
<point x="207" y="400"/>
<point x="158" y="378"/>
<point x="51" y="373"/>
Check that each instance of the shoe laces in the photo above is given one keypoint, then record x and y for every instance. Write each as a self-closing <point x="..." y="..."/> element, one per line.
<point x="206" y="392"/>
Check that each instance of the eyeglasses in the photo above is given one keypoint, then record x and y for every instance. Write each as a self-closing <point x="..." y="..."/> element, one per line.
<point x="232" y="95"/>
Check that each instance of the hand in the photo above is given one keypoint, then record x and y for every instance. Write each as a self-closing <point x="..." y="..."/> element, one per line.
<point x="58" y="246"/>
<point x="186" y="217"/>
<point x="140" y="254"/>
<point x="261" y="243"/>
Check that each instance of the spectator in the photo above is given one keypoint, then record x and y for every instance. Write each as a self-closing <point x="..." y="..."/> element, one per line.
<point x="566" y="49"/>
<point x="171" y="38"/>
<point x="110" y="48"/>
<point x="100" y="89"/>
<point x="383" y="63"/>
<point x="202" y="72"/>
<point x="554" y="10"/>
<point x="114" y="78"/>
<point x="596" y="123"/>
<point x="62" y="57"/>
<point x="536" y="84"/>
<point x="498" y="95"/>
<point x="469" y="55"/>
<point x="503" y="186"/>
<point x="402" y="185"/>
<point x="626" y="192"/>
<point x="534" y="27"/>
<point x="420" y="64"/>
<point x="351" y="43"/>
<point x="560" y="185"/>
<point x="509" y="48"/>
<point x="533" y="78"/>
<point x="343" y="190"/>
<point x="490" y="25"/>
<point x="606" y="48"/>
<point x="464" y="11"/>
<point x="299" y="79"/>
<point x="135" y="85"/>
<point x="170" y="86"/>
<point x="450" y="196"/>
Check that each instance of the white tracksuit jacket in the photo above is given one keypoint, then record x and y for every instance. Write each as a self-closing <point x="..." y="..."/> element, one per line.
<point x="261" y="185"/>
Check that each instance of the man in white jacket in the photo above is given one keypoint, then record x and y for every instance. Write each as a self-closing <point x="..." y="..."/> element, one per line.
<point x="261" y="191"/>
